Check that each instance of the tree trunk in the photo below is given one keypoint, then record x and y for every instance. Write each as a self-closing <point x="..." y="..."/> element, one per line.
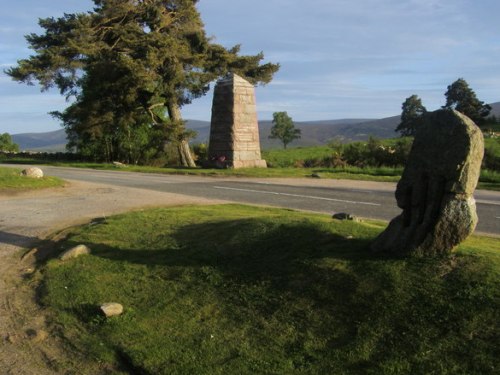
<point x="174" y="112"/>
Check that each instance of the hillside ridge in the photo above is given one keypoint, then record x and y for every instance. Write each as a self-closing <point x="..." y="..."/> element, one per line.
<point x="314" y="133"/>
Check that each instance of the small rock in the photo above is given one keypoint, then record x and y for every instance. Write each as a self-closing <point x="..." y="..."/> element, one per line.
<point x="111" y="309"/>
<point x="37" y="335"/>
<point x="345" y="216"/>
<point x="119" y="165"/>
<point x="30" y="253"/>
<point x="32" y="172"/>
<point x="315" y="175"/>
<point x="75" y="252"/>
<point x="12" y="339"/>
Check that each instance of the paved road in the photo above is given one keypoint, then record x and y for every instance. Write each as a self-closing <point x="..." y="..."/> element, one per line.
<point x="364" y="199"/>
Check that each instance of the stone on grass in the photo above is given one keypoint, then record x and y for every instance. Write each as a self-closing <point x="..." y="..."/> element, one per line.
<point x="435" y="190"/>
<point x="111" y="309"/>
<point x="345" y="216"/>
<point x="32" y="172"/>
<point x="75" y="252"/>
<point x="37" y="335"/>
<point x="12" y="338"/>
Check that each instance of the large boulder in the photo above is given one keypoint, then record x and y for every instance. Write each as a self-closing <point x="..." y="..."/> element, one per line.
<point x="436" y="188"/>
<point x="32" y="172"/>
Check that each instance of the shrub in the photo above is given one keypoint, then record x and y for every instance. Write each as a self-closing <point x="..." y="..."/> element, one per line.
<point x="355" y="154"/>
<point x="200" y="151"/>
<point x="490" y="160"/>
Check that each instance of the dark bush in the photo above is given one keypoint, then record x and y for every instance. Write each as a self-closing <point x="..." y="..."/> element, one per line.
<point x="200" y="151"/>
<point x="491" y="160"/>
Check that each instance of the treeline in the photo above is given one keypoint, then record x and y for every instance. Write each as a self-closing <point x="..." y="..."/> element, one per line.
<point x="145" y="157"/>
<point x="375" y="152"/>
<point x="392" y="153"/>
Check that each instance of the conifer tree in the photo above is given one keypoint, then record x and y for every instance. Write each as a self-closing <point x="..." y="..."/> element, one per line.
<point x="461" y="97"/>
<point x="131" y="65"/>
<point x="411" y="116"/>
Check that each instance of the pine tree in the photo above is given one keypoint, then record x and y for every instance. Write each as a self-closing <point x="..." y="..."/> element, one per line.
<point x="411" y="116"/>
<point x="461" y="97"/>
<point x="130" y="64"/>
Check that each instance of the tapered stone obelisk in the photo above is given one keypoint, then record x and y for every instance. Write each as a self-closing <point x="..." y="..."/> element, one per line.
<point x="234" y="129"/>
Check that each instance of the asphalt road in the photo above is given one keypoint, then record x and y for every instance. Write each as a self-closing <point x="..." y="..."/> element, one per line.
<point x="375" y="200"/>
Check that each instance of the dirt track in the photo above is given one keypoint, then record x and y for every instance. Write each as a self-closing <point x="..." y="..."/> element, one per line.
<point x="25" y="220"/>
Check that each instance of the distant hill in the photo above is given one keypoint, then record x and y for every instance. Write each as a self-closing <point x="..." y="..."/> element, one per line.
<point x="314" y="133"/>
<point x="54" y="141"/>
<point x="495" y="109"/>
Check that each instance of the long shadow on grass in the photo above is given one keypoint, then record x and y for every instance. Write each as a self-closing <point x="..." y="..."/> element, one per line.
<point x="297" y="259"/>
<point x="298" y="293"/>
<point x="293" y="272"/>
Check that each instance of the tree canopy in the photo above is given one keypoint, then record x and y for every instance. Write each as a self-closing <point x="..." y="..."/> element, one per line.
<point x="411" y="116"/>
<point x="131" y="65"/>
<point x="284" y="129"/>
<point x="6" y="143"/>
<point x="461" y="97"/>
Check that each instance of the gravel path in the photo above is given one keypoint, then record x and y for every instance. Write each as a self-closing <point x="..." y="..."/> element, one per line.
<point x="27" y="218"/>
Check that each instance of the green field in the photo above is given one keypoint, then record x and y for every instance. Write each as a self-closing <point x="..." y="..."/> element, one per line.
<point x="11" y="180"/>
<point x="233" y="289"/>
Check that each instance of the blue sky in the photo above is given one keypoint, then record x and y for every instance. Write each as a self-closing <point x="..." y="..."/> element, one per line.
<point x="339" y="58"/>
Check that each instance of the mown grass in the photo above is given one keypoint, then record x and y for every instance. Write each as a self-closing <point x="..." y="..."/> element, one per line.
<point x="233" y="289"/>
<point x="11" y="180"/>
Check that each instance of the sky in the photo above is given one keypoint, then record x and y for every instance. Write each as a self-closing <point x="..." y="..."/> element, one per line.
<point x="339" y="58"/>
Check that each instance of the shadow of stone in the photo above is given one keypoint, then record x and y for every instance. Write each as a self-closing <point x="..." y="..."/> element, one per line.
<point x="287" y="259"/>
<point x="257" y="271"/>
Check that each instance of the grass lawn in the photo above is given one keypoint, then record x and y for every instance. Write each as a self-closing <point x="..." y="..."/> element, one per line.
<point x="233" y="289"/>
<point x="11" y="180"/>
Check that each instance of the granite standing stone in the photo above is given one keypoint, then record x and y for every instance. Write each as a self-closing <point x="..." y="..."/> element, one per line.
<point x="234" y="129"/>
<point x="436" y="188"/>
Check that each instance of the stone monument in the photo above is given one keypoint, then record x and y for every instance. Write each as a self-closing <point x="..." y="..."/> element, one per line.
<point x="234" y="130"/>
<point x="435" y="190"/>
